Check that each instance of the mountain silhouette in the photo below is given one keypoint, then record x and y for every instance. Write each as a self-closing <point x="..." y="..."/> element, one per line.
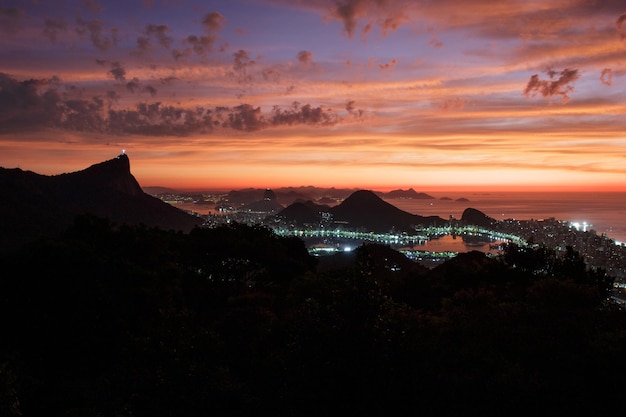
<point x="363" y="209"/>
<point x="264" y="206"/>
<point x="303" y="212"/>
<point x="472" y="216"/>
<point x="300" y="213"/>
<point x="39" y="205"/>
<point x="410" y="193"/>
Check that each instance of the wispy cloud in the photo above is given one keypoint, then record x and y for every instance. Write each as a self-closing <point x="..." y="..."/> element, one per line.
<point x="407" y="84"/>
<point x="557" y="84"/>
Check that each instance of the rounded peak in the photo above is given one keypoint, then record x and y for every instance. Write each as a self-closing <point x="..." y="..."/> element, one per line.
<point x="363" y="194"/>
<point x="363" y="198"/>
<point x="476" y="217"/>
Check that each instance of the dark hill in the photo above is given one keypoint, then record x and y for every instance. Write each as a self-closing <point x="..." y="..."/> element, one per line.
<point x="264" y="206"/>
<point x="300" y="213"/>
<point x="471" y="216"/>
<point x="303" y="212"/>
<point x="410" y="193"/>
<point x="315" y="206"/>
<point x="36" y="205"/>
<point x="365" y="210"/>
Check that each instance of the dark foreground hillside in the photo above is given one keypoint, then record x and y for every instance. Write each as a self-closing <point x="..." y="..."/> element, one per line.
<point x="136" y="321"/>
<point x="35" y="205"/>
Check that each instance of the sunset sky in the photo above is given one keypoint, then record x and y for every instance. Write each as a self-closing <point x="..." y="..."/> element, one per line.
<point x="431" y="94"/>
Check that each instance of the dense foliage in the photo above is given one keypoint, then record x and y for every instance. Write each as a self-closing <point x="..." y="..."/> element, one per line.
<point x="134" y="321"/>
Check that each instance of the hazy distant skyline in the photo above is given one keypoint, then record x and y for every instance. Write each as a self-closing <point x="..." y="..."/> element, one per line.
<point x="347" y="93"/>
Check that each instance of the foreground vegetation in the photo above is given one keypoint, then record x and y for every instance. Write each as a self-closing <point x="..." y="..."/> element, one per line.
<point x="132" y="321"/>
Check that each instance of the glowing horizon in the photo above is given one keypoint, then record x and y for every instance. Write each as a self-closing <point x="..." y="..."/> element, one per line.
<point x="522" y="95"/>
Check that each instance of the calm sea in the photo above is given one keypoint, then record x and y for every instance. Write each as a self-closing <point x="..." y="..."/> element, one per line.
<point x="603" y="212"/>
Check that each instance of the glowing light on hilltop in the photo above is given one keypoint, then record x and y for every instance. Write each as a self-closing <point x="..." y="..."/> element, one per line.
<point x="578" y="226"/>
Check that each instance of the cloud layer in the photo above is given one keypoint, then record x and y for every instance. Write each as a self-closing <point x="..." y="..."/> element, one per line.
<point x="523" y="86"/>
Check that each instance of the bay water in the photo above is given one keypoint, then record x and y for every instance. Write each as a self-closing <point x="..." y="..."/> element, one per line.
<point x="603" y="212"/>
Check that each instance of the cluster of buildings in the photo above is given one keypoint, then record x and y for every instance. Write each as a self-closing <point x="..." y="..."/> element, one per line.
<point x="598" y="250"/>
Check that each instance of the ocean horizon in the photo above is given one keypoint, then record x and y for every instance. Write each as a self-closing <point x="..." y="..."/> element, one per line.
<point x="602" y="212"/>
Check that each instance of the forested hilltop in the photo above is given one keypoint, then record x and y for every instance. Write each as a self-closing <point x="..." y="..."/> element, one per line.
<point x="110" y="320"/>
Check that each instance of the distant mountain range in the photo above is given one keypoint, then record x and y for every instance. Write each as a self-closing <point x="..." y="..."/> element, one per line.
<point x="408" y="194"/>
<point x="288" y="195"/>
<point x="34" y="204"/>
<point x="366" y="210"/>
<point x="363" y="209"/>
<point x="39" y="205"/>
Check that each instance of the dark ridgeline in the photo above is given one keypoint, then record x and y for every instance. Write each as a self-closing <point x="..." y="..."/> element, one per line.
<point x="267" y="204"/>
<point x="235" y="320"/>
<point x="362" y="210"/>
<point x="471" y="216"/>
<point x="38" y="205"/>
<point x="301" y="213"/>
<point x="406" y="194"/>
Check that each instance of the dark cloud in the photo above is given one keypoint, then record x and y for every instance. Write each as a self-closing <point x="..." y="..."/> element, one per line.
<point x="10" y="19"/>
<point x="382" y="13"/>
<point x="306" y="114"/>
<point x="606" y="77"/>
<point x="155" y="119"/>
<point x="28" y="104"/>
<point x="558" y="84"/>
<point x="242" y="64"/>
<point x="201" y="45"/>
<point x="143" y="43"/>
<point x="245" y="117"/>
<point x="351" y="109"/>
<point x="213" y="21"/>
<point x="153" y="32"/>
<point x="36" y="103"/>
<point x="150" y="89"/>
<point x="112" y="97"/>
<point x="241" y="60"/>
<point x="619" y="24"/>
<point x="83" y="115"/>
<point x="347" y="12"/>
<point x="52" y="28"/>
<point x="388" y="65"/>
<point x="304" y="57"/>
<point x="390" y="23"/>
<point x="271" y="75"/>
<point x="178" y="54"/>
<point x="160" y="33"/>
<point x="95" y="29"/>
<point x="133" y="85"/>
<point x="117" y="71"/>
<point x="73" y="91"/>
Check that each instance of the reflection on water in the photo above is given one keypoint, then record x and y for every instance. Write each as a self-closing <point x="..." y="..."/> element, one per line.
<point x="445" y="243"/>
<point x="464" y="243"/>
